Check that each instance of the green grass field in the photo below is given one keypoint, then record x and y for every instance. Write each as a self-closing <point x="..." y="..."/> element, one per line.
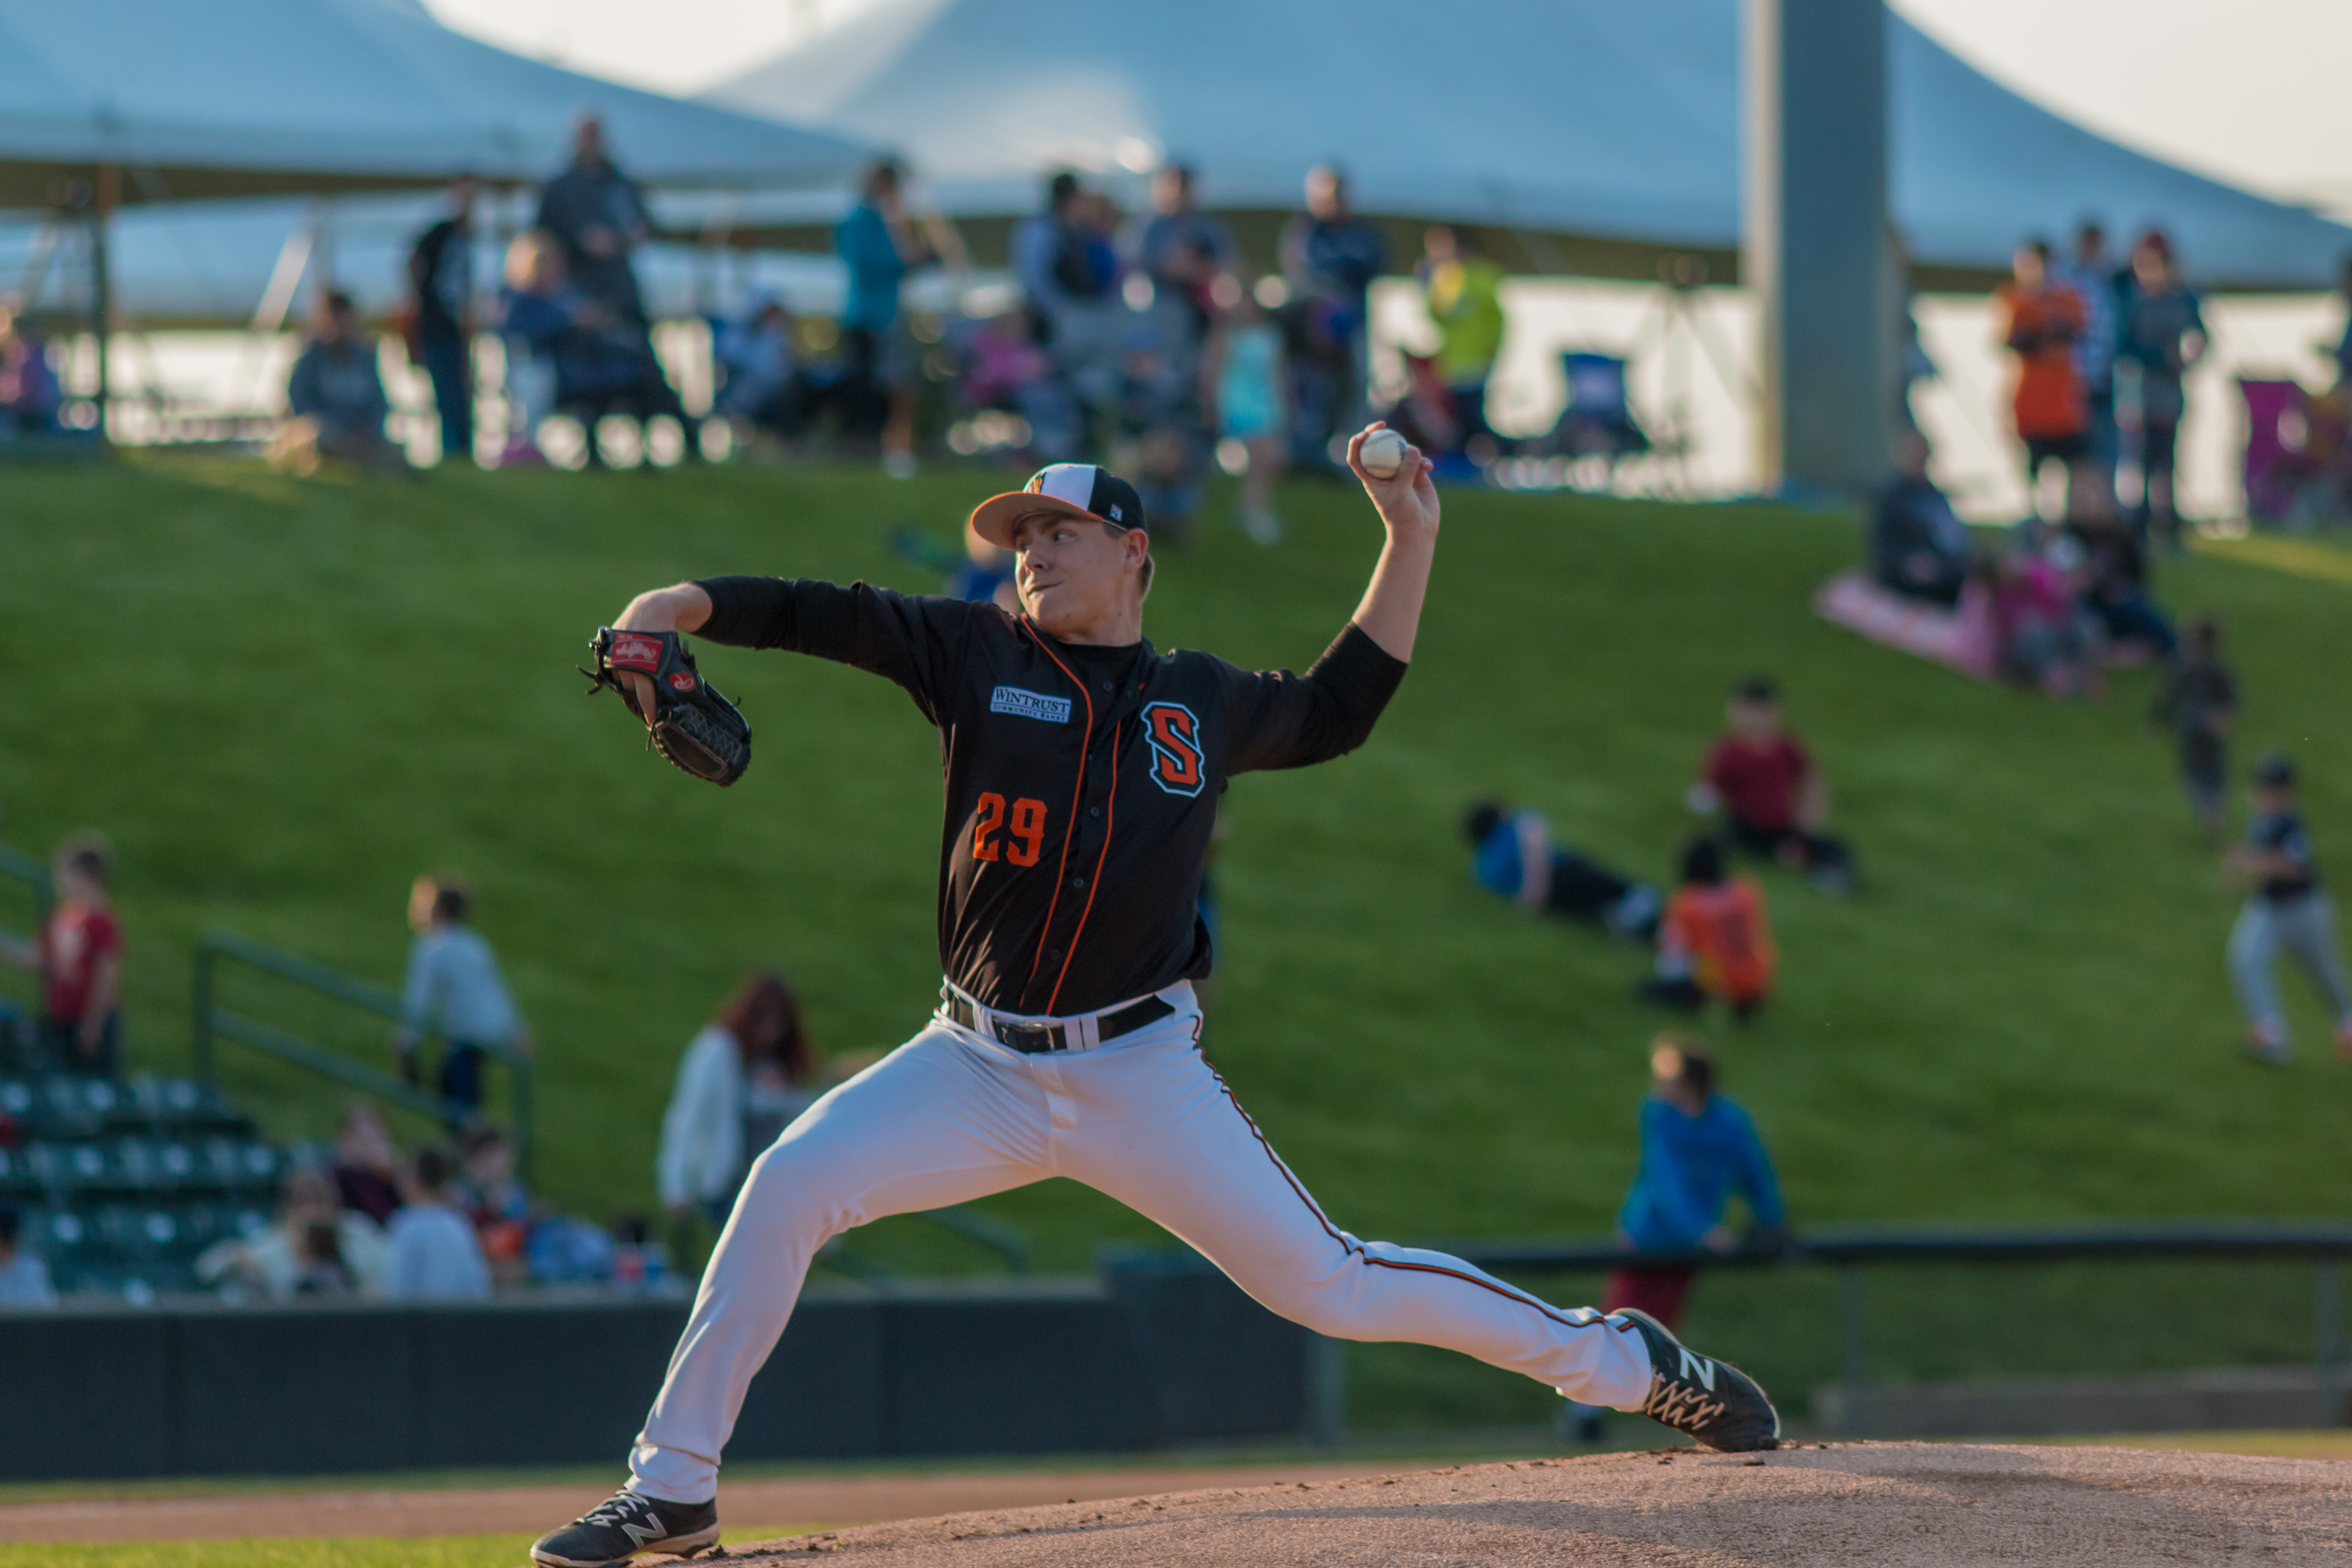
<point x="284" y="699"/>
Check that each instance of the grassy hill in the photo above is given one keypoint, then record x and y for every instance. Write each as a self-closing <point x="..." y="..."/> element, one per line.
<point x="285" y="699"/>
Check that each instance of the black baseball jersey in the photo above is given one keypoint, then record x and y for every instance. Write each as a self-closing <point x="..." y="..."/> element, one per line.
<point x="1082" y="783"/>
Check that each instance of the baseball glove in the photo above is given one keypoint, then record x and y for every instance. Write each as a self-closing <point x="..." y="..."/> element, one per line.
<point x="692" y="725"/>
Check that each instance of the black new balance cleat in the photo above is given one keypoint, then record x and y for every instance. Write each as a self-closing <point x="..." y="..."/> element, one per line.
<point x="1712" y="1402"/>
<point x="626" y="1525"/>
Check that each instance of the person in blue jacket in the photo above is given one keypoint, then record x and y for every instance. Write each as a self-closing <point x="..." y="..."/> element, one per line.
<point x="1699" y="1149"/>
<point x="1513" y="854"/>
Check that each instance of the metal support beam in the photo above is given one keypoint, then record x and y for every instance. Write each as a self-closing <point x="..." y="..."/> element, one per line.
<point x="1327" y="1392"/>
<point x="1816" y="248"/>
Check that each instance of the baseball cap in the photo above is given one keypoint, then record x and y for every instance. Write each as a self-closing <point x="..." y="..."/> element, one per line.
<point x="2275" y="770"/>
<point x="1074" y="490"/>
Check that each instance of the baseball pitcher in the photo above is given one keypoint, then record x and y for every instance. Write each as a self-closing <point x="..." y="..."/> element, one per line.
<point x="1082" y="770"/>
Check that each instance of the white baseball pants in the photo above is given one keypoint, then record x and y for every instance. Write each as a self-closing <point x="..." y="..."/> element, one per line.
<point x="951" y="1116"/>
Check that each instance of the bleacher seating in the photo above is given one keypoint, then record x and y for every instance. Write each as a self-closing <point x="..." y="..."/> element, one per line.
<point x="122" y="1184"/>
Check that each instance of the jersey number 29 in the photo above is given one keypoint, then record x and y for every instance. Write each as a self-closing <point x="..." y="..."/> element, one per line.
<point x="1028" y="830"/>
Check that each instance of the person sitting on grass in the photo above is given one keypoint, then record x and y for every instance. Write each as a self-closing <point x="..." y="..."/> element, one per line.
<point x="336" y="397"/>
<point x="453" y="987"/>
<point x="435" y="1257"/>
<point x="1714" y="941"/>
<point x="1918" y="547"/>
<point x="2284" y="912"/>
<point x="24" y="1278"/>
<point x="1774" y="800"/>
<point x="79" y="956"/>
<point x="366" y="1172"/>
<point x="1513" y="852"/>
<point x="1699" y="1149"/>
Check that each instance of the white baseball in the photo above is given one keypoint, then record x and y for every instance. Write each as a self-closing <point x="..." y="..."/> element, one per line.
<point x="1382" y="454"/>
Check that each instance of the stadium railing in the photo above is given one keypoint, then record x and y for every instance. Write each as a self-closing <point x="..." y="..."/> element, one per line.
<point x="212" y="1023"/>
<point x="2326" y="1245"/>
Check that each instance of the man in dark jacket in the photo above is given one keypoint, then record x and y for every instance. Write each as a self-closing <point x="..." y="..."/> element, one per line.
<point x="598" y="215"/>
<point x="441" y="281"/>
<point x="1918" y="546"/>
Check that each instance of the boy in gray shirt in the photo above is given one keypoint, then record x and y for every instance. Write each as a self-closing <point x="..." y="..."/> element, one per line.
<point x="453" y="987"/>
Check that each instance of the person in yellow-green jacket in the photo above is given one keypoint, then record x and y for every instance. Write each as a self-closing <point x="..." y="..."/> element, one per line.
<point x="1464" y="291"/>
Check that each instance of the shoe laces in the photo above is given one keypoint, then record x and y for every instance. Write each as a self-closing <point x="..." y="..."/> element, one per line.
<point x="618" y="1509"/>
<point x="1683" y="1407"/>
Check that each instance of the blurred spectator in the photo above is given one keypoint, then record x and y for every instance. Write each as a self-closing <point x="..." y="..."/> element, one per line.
<point x="1714" y="941"/>
<point x="435" y="1257"/>
<point x="534" y="313"/>
<point x="1330" y="259"/>
<point x="336" y="396"/>
<point x="2094" y="277"/>
<point x="1068" y="272"/>
<point x="1164" y="400"/>
<point x="79" y="954"/>
<point x="441" y="282"/>
<point x="598" y="216"/>
<point x="1698" y="1150"/>
<point x="2044" y="637"/>
<point x="1463" y="292"/>
<point x="761" y="384"/>
<point x="2343" y="344"/>
<point x="878" y="247"/>
<point x="454" y="989"/>
<point x="757" y="1046"/>
<point x="2198" y="700"/>
<point x="493" y="1197"/>
<point x="349" y="1258"/>
<point x="1179" y="232"/>
<point x="28" y="383"/>
<point x="24" y="1278"/>
<point x="1918" y="546"/>
<point x="366" y="1169"/>
<point x="2115" y="578"/>
<point x="1243" y="367"/>
<point x="1774" y="800"/>
<point x="2042" y="324"/>
<point x="1038" y="244"/>
<point x="2284" y="912"/>
<point x="1513" y="852"/>
<point x="2163" y="334"/>
<point x="986" y="573"/>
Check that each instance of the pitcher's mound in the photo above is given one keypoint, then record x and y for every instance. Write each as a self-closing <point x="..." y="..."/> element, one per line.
<point x="1903" y="1504"/>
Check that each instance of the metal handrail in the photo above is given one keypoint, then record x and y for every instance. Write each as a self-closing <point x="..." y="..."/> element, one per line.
<point x="209" y="1022"/>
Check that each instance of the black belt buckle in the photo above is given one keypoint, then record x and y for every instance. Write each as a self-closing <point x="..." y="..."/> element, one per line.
<point x="1030" y="1039"/>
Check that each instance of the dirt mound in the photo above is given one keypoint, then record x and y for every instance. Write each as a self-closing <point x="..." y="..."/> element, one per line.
<point x="1891" y="1503"/>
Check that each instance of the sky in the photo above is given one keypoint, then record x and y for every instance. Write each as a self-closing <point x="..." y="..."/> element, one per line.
<point x="2247" y="90"/>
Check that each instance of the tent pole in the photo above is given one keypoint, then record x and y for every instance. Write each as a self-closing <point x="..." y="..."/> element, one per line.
<point x="108" y="196"/>
<point x="1814" y="250"/>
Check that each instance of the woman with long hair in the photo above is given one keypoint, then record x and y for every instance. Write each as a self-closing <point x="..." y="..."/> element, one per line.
<point x="754" y="1057"/>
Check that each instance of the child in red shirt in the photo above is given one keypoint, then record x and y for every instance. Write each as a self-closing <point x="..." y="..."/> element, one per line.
<point x="1774" y="800"/>
<point x="1714" y="940"/>
<point x="79" y="955"/>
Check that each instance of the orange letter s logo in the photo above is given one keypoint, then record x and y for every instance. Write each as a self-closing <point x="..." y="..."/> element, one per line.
<point x="1175" y="739"/>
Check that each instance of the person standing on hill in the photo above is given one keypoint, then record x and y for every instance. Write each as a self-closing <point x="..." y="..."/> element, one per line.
<point x="2163" y="336"/>
<point x="453" y="987"/>
<point x="2199" y="699"/>
<point x="2042" y="324"/>
<point x="599" y="217"/>
<point x="441" y="283"/>
<point x="1774" y="800"/>
<point x="2094" y="277"/>
<point x="1083" y="772"/>
<point x="878" y="247"/>
<point x="2284" y="912"/>
<point x="79" y="955"/>
<point x="1462" y="290"/>
<point x="1330" y="259"/>
<point x="1699" y="1150"/>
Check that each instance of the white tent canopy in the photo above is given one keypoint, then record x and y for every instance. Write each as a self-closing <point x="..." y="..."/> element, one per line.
<point x="251" y="97"/>
<point x="1588" y="118"/>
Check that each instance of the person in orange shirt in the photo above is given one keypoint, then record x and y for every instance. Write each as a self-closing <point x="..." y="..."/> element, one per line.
<point x="1714" y="940"/>
<point x="2043" y="319"/>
